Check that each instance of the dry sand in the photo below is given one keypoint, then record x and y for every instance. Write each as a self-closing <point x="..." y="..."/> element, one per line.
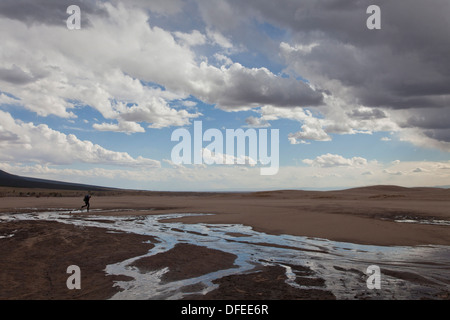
<point x="32" y="260"/>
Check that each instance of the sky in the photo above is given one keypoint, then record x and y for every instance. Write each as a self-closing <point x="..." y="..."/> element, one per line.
<point x="353" y="106"/>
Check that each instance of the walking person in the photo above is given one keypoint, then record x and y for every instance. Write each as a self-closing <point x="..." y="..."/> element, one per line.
<point x="86" y="201"/>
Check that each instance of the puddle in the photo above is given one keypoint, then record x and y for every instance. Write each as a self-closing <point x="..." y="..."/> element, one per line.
<point x="341" y="265"/>
<point x="7" y="236"/>
<point x="425" y="221"/>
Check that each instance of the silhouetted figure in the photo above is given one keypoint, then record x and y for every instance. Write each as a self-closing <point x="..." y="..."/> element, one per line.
<point x="86" y="201"/>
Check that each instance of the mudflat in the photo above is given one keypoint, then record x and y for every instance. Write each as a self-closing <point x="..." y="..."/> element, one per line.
<point x="382" y="215"/>
<point x="35" y="254"/>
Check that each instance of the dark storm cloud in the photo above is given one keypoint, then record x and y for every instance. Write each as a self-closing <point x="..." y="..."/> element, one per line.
<point x="46" y="11"/>
<point x="433" y="122"/>
<point x="266" y="89"/>
<point x="406" y="62"/>
<point x="429" y="119"/>
<point x="404" y="66"/>
<point x="442" y="135"/>
<point x="15" y="75"/>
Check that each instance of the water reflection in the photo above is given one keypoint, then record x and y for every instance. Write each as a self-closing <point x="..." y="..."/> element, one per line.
<point x="407" y="272"/>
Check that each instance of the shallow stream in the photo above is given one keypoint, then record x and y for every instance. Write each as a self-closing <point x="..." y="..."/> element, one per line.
<point x="406" y="272"/>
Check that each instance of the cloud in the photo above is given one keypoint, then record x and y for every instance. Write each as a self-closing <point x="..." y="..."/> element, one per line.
<point x="16" y="75"/>
<point x="271" y="113"/>
<point x="173" y="164"/>
<point x="238" y="87"/>
<point x="254" y="122"/>
<point x="121" y="126"/>
<point x="195" y="38"/>
<point x="75" y="76"/>
<point x="49" y="12"/>
<point x="161" y="7"/>
<point x="429" y="139"/>
<point x="207" y="178"/>
<point x="311" y="130"/>
<point x="219" y="15"/>
<point x="63" y="69"/>
<point x="387" y="80"/>
<point x="219" y="39"/>
<point x="364" y="113"/>
<point x="226" y="159"/>
<point x="41" y="144"/>
<point x="137" y="62"/>
<point x="334" y="160"/>
<point x="394" y="173"/>
<point x="383" y="70"/>
<point x="7" y="100"/>
<point x="318" y="123"/>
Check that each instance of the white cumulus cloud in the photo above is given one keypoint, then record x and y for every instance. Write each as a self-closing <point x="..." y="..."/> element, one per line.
<point x="41" y="144"/>
<point x="334" y="160"/>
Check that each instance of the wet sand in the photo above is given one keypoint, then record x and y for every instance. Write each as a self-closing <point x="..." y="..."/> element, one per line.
<point x="35" y="254"/>
<point x="34" y="261"/>
<point x="267" y="283"/>
<point x="364" y="215"/>
<point x="186" y="261"/>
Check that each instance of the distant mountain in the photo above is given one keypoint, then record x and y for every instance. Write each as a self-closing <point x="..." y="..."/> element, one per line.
<point x="10" y="180"/>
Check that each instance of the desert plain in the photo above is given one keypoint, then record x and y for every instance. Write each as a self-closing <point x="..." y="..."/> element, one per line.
<point x="36" y="252"/>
